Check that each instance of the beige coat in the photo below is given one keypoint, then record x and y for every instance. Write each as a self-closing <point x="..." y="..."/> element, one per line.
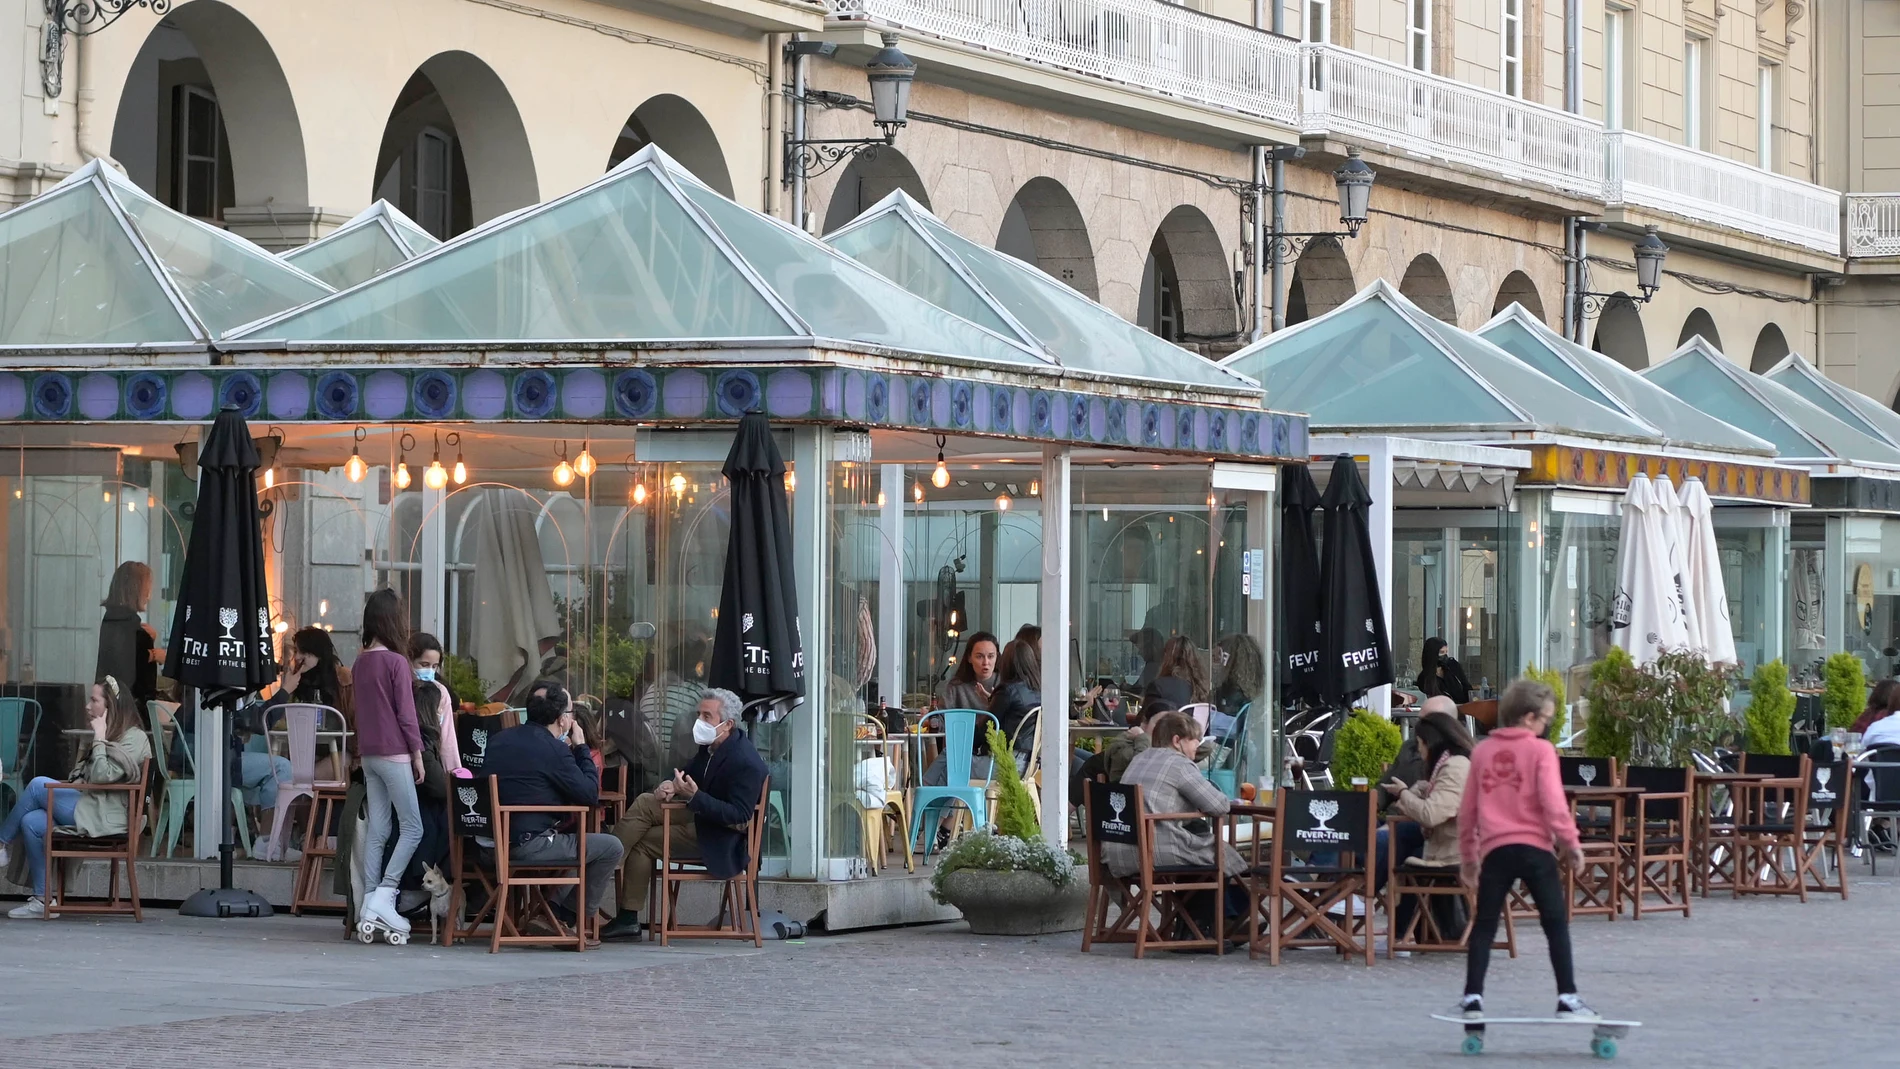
<point x="1433" y="803"/>
<point x="1171" y="783"/>
<point x="103" y="813"/>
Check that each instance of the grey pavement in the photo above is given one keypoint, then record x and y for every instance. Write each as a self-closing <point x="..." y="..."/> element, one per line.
<point x="1743" y="983"/>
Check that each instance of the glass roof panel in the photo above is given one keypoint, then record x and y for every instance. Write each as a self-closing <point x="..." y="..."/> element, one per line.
<point x="1680" y="422"/>
<point x="1081" y="333"/>
<point x="891" y="247"/>
<point x="1798" y="429"/>
<point x="420" y="240"/>
<point x="1844" y="440"/>
<point x="841" y="298"/>
<point x="622" y="260"/>
<point x="227" y="281"/>
<point x="1368" y="366"/>
<point x="70" y="275"/>
<point x="348" y="257"/>
<point x="1852" y="407"/>
<point x="1551" y="406"/>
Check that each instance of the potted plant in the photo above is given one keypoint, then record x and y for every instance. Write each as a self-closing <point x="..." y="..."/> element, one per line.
<point x="1844" y="691"/>
<point x="1010" y="881"/>
<point x="1657" y="714"/>
<point x="1770" y="709"/>
<point x="1363" y="748"/>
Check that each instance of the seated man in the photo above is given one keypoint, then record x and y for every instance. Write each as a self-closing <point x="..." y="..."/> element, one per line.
<point x="720" y="787"/>
<point x="545" y="761"/>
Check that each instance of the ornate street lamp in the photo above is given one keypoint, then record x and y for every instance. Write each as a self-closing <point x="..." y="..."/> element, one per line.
<point x="1649" y="251"/>
<point x="889" y="73"/>
<point x="1353" y="182"/>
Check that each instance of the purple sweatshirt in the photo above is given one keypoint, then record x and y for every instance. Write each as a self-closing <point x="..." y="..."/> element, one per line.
<point x="385" y="706"/>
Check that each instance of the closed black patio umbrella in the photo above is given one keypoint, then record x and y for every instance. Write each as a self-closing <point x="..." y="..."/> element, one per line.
<point x="221" y="637"/>
<point x="758" y="652"/>
<point x="1300" y="622"/>
<point x="1357" y="653"/>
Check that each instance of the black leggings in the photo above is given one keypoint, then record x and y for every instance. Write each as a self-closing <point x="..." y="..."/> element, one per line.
<point x="1538" y="869"/>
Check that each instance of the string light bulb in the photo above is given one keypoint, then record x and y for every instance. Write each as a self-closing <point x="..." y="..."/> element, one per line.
<point x="270" y="478"/>
<point x="563" y="471"/>
<point x="791" y="480"/>
<point x="461" y="468"/>
<point x="639" y="493"/>
<point x="1003" y="502"/>
<point x="355" y="468"/>
<point x="917" y="491"/>
<point x="1035" y="488"/>
<point x="940" y="478"/>
<point x="880" y="499"/>
<point x="584" y="463"/>
<point x="678" y="484"/>
<point x="108" y="497"/>
<point x="404" y="445"/>
<point x="402" y="475"/>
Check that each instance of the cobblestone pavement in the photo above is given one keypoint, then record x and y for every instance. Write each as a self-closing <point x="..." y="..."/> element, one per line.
<point x="1742" y="984"/>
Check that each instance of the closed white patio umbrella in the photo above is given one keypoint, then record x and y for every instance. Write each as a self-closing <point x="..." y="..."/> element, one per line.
<point x="1703" y="587"/>
<point x="1647" y="616"/>
<point x="1676" y="529"/>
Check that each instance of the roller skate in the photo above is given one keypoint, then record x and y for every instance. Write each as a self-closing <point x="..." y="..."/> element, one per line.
<point x="379" y="918"/>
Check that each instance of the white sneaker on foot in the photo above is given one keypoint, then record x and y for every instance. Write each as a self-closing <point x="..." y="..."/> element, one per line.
<point x="34" y="909"/>
<point x="1471" y="1007"/>
<point x="1571" y="1008"/>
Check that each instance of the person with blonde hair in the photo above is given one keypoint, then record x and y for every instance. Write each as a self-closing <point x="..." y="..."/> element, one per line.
<point x="128" y="646"/>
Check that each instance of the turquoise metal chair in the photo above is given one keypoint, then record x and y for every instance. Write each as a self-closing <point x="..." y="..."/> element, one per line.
<point x="180" y="791"/>
<point x="959" y="732"/>
<point x="15" y="714"/>
<point x="1224" y="770"/>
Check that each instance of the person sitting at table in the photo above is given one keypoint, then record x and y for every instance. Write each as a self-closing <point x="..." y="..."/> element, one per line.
<point x="313" y="674"/>
<point x="425" y="655"/>
<point x="671" y="701"/>
<point x="1170" y="782"/>
<point x="974" y="682"/>
<point x="1441" y="674"/>
<point x="1882" y="732"/>
<point x="1113" y="758"/>
<point x="1410" y="765"/>
<point x="1429" y="806"/>
<point x="721" y="789"/>
<point x="1242" y="669"/>
<point x="1018" y="694"/>
<point x="545" y="760"/>
<point x="1181" y="681"/>
<point x="116" y="753"/>
<point x="1880" y="705"/>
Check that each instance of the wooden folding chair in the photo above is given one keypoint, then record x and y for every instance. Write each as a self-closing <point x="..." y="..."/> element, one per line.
<point x="1108" y="807"/>
<point x="471" y="861"/>
<point x="521" y="890"/>
<point x="319" y="848"/>
<point x="116" y="849"/>
<point x="739" y="897"/>
<point x="1426" y="929"/>
<point x="1657" y="840"/>
<point x="613" y="794"/>
<point x="1308" y="826"/>
<point x="1596" y="888"/>
<point x="1792" y="830"/>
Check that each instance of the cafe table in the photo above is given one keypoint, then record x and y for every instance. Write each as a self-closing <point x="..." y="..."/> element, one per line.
<point x="1712" y="864"/>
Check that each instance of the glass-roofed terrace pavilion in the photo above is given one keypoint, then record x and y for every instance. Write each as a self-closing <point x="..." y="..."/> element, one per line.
<point x="947" y="477"/>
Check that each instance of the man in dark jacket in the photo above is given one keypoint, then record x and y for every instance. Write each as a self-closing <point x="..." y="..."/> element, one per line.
<point x="545" y="761"/>
<point x="720" y="787"/>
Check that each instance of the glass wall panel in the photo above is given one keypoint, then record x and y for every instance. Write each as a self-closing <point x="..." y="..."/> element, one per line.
<point x="1419" y="570"/>
<point x="1872" y="593"/>
<point x="1751" y="565"/>
<point x="1814" y="599"/>
<point x="855" y="783"/>
<point x="1579" y="588"/>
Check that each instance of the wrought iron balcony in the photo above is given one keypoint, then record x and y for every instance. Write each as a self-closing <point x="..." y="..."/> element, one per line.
<point x="1652" y="173"/>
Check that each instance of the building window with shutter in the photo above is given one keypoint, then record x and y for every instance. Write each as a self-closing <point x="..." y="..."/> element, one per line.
<point x="1511" y="32"/>
<point x="433" y="181"/>
<point x="195" y="156"/>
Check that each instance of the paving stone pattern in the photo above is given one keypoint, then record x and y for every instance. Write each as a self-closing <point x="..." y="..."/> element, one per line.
<point x="1751" y="983"/>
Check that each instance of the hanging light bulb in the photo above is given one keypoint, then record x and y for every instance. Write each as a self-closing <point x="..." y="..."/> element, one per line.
<point x="402" y="475"/>
<point x="1035" y="488"/>
<point x="563" y="471"/>
<point x="404" y="445"/>
<point x="917" y="491"/>
<point x="461" y="468"/>
<point x="639" y="493"/>
<point x="791" y="480"/>
<point x="270" y="478"/>
<point x="940" y="478"/>
<point x="584" y="464"/>
<point x="880" y="499"/>
<point x="1003" y="502"/>
<point x="355" y="468"/>
<point x="678" y="484"/>
<point x="435" y="476"/>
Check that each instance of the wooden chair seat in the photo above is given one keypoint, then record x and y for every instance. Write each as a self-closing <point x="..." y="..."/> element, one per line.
<point x="1432" y="884"/>
<point x="738" y="916"/>
<point x="121" y="849"/>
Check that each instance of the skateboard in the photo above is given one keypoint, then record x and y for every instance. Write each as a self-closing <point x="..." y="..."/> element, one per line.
<point x="1603" y="1035"/>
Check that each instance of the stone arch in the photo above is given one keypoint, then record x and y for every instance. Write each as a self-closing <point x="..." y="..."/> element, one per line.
<point x="207" y="59"/>
<point x="1700" y="322"/>
<point x="1186" y="290"/>
<point x="1770" y="346"/>
<point x="868" y="179"/>
<point x="455" y="113"/>
<point x="682" y="132"/>
<point x="1426" y="285"/>
<point x="1322" y="281"/>
<point x="1519" y="289"/>
<point x="1620" y="335"/>
<point x="1043" y="226"/>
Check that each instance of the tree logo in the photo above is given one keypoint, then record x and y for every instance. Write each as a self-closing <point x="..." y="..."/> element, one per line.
<point x="228" y="618"/>
<point x="1323" y="810"/>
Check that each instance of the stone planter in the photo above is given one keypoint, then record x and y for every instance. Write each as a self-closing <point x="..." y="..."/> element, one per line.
<point x="1015" y="903"/>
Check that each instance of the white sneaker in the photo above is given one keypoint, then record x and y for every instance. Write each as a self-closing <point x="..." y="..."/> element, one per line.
<point x="34" y="909"/>
<point x="1571" y="1008"/>
<point x="1471" y="1008"/>
<point x="380" y="904"/>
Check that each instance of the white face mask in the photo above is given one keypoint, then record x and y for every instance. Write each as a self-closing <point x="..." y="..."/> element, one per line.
<point x="704" y="734"/>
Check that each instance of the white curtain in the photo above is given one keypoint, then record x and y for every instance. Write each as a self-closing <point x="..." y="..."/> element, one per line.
<point x="1809" y="632"/>
<point x="514" y="607"/>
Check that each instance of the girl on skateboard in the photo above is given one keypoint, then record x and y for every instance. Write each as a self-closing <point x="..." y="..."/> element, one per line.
<point x="1512" y="814"/>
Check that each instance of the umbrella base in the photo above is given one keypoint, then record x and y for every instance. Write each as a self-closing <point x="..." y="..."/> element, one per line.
<point x="222" y="903"/>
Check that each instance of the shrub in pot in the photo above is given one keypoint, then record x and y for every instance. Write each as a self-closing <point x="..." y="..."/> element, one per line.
<point x="1011" y="881"/>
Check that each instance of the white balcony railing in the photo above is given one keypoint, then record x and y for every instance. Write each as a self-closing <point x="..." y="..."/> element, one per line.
<point x="1424" y="114"/>
<point x="1658" y="174"/>
<point x="1873" y="224"/>
<point x="1155" y="46"/>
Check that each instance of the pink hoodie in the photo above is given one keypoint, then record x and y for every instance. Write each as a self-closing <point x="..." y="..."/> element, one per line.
<point x="1513" y="795"/>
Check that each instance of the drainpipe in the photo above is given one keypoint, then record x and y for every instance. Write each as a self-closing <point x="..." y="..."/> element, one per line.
<point x="1573" y="231"/>
<point x="798" y="134"/>
<point x="82" y="115"/>
<point x="774" y="122"/>
<point x="1279" y="200"/>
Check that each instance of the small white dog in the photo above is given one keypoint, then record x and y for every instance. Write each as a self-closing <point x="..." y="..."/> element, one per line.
<point x="439" y="896"/>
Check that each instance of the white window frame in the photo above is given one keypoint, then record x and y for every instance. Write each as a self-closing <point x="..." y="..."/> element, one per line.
<point x="1695" y="53"/>
<point x="1615" y="62"/>
<point x="1316" y="14"/>
<point x="182" y="138"/>
<point x="1511" y="47"/>
<point x="433" y="203"/>
<point x="1765" y="99"/>
<point x="1418" y="51"/>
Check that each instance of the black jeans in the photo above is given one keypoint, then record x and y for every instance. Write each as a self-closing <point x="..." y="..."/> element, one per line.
<point x="1538" y="869"/>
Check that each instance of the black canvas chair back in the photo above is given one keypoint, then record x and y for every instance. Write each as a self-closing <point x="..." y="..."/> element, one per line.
<point x="472" y="807"/>
<point x="472" y="732"/>
<point x="1585" y="771"/>
<point x="1780" y="766"/>
<point x="1827" y="787"/>
<point x="1880" y="787"/>
<point x="1325" y="822"/>
<point x="1114" y="813"/>
<point x="1664" y="781"/>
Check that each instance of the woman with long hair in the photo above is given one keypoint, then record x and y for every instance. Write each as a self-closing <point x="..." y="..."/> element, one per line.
<point x="389" y="740"/>
<point x="425" y="657"/>
<point x="974" y="681"/>
<point x="1881" y="702"/>
<point x="1181" y="681"/>
<point x="116" y="753"/>
<point x="1019" y="689"/>
<point x="1243" y="673"/>
<point x="1440" y="674"/>
<point x="128" y="646"/>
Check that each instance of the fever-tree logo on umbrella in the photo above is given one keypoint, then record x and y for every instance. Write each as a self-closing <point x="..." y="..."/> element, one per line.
<point x="228" y="618"/>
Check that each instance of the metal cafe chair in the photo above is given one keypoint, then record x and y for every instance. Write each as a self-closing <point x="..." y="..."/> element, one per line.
<point x="1322" y="857"/>
<point x="16" y="760"/>
<point x="959" y="734"/>
<point x="1876" y="794"/>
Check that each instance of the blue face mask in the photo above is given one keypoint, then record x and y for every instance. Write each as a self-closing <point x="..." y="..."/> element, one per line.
<point x="425" y="675"/>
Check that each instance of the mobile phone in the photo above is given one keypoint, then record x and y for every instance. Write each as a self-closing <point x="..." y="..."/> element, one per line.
<point x="1105" y="681"/>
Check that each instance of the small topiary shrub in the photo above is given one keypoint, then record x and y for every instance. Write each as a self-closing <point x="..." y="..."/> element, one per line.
<point x="1554" y="679"/>
<point x="1015" y="809"/>
<point x="1844" y="689"/>
<point x="1365" y="745"/>
<point x="1770" y="709"/>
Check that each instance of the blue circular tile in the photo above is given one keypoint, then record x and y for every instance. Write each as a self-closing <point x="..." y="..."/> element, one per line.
<point x="52" y="396"/>
<point x="338" y="395"/>
<point x="635" y="393"/>
<point x="145" y="395"/>
<point x="737" y="392"/>
<point x="962" y="401"/>
<point x="244" y="391"/>
<point x="433" y="394"/>
<point x="877" y="399"/>
<point x="534" y="394"/>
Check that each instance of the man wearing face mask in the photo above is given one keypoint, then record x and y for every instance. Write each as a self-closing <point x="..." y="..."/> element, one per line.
<point x="720" y="787"/>
<point x="545" y="761"/>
